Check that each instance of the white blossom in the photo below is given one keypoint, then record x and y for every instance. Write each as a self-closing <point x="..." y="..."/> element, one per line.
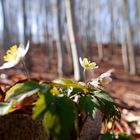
<point x="14" y="55"/>
<point x="86" y="64"/>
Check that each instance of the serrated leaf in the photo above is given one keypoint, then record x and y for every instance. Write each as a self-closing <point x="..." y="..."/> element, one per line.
<point x="103" y="95"/>
<point x="89" y="105"/>
<point x="109" y="109"/>
<point x="106" y="104"/>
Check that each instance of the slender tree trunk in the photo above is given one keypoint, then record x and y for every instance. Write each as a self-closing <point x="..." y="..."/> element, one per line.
<point x="71" y="34"/>
<point x="60" y="43"/>
<point x="25" y="21"/>
<point x="83" y="38"/>
<point x="69" y="54"/>
<point x="124" y="48"/>
<point x="131" y="49"/>
<point x="113" y="19"/>
<point x="80" y="48"/>
<point x="26" y="36"/>
<point x="138" y="20"/>
<point x="99" y="44"/>
<point x="48" y="38"/>
<point x="6" y="33"/>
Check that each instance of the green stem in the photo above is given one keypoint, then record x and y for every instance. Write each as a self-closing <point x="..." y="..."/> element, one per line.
<point x="84" y="74"/>
<point x="106" y="124"/>
<point x="26" y="70"/>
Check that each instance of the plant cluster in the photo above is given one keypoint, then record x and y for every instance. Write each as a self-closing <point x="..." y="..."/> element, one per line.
<point x="62" y="104"/>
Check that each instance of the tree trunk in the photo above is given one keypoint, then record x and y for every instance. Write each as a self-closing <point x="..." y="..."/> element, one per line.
<point x="26" y="36"/>
<point x="137" y="4"/>
<point x="6" y="33"/>
<point x="99" y="44"/>
<point x="71" y="34"/>
<point x="113" y="20"/>
<point x="124" y="48"/>
<point x="60" y="43"/>
<point x="131" y="49"/>
<point x="48" y="39"/>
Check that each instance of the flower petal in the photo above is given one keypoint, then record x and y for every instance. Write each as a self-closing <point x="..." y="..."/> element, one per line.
<point x="23" y="50"/>
<point x="81" y="61"/>
<point x="94" y="83"/>
<point x="27" y="47"/>
<point x="9" y="64"/>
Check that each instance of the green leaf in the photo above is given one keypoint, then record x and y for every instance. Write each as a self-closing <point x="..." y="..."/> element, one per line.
<point x="22" y="90"/>
<point x="22" y="96"/>
<point x="5" y="108"/>
<point x="77" y="86"/>
<point x="77" y="91"/>
<point x="60" y="117"/>
<point x="124" y="136"/>
<point x="116" y="136"/>
<point x="106" y="104"/>
<point x="51" y="122"/>
<point x="62" y="81"/>
<point x="41" y="105"/>
<point x="68" y="83"/>
<point x="67" y="113"/>
<point x="103" y="95"/>
<point x="106" y="136"/>
<point x="109" y="109"/>
<point x="89" y="105"/>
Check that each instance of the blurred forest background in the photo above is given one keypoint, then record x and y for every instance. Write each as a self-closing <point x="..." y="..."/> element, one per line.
<point x="61" y="31"/>
<point x="73" y="26"/>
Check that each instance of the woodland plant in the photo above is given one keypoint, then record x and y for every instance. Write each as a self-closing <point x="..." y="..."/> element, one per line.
<point x="62" y="104"/>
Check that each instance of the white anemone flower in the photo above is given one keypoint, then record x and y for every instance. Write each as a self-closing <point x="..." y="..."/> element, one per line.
<point x="94" y="83"/>
<point x="103" y="79"/>
<point x="14" y="55"/>
<point x="86" y="64"/>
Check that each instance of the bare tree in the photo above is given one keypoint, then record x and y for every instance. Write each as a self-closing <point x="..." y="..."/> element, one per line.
<point x="137" y="3"/>
<point x="124" y="48"/>
<point x="6" y="33"/>
<point x="48" y="37"/>
<point x="26" y="35"/>
<point x="71" y="33"/>
<point x="60" y="43"/>
<point x="99" y="44"/>
<point x="131" y="49"/>
<point x="112" y="34"/>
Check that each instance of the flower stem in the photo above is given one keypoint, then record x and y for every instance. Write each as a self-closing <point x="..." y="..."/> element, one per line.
<point x="105" y="126"/>
<point x="84" y="74"/>
<point x="26" y="70"/>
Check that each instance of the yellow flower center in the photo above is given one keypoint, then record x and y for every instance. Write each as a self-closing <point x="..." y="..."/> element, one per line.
<point x="86" y="62"/>
<point x="11" y="54"/>
<point x="88" y="65"/>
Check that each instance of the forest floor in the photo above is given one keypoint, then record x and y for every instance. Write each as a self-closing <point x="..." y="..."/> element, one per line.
<point x="124" y="88"/>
